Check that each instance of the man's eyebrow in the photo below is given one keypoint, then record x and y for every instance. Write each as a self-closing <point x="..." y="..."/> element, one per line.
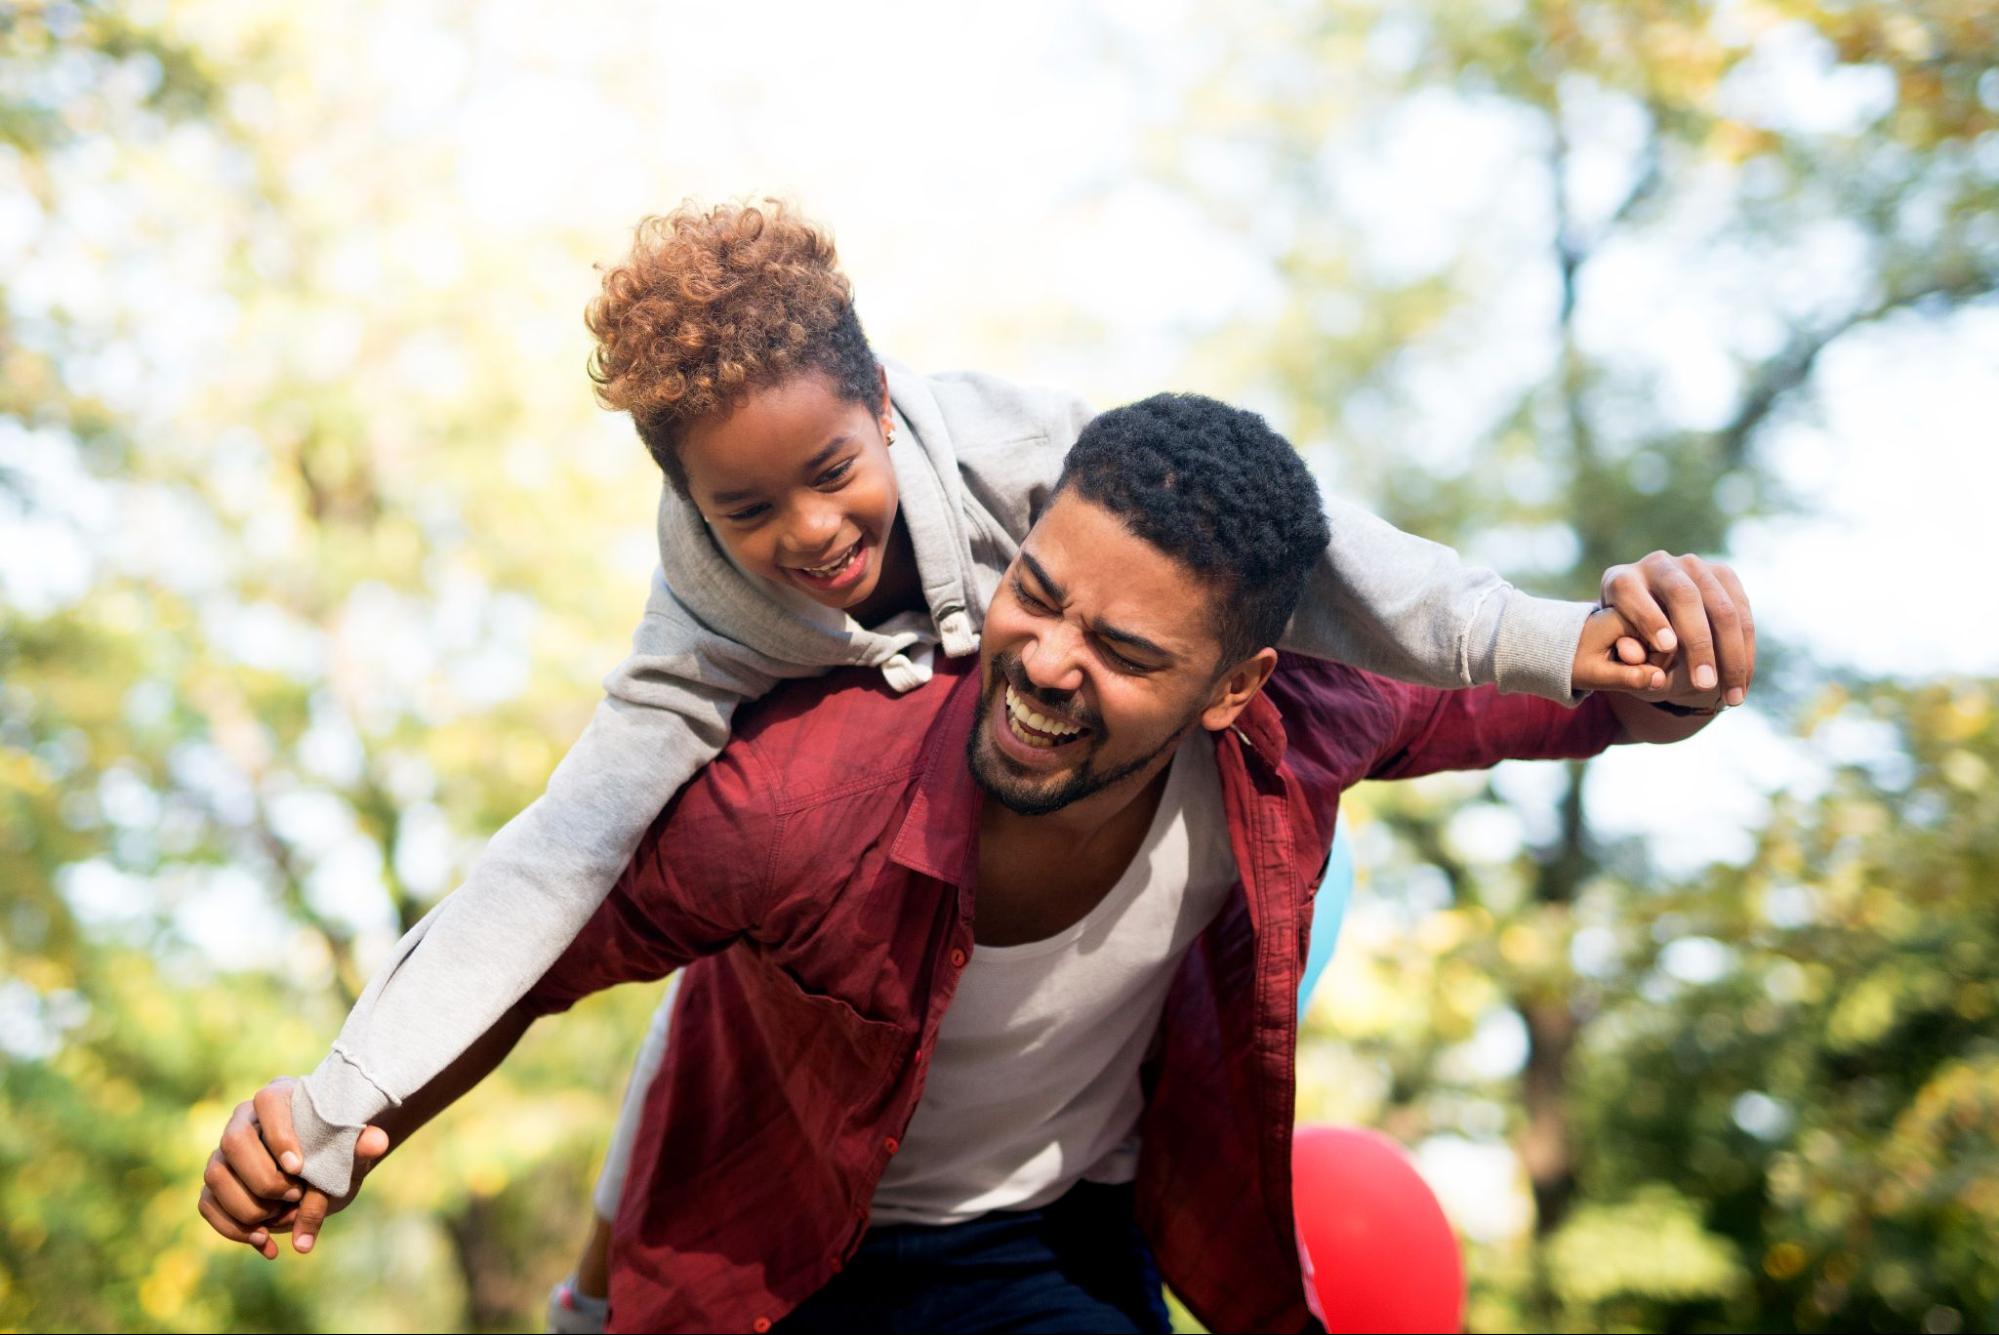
<point x="826" y="451"/>
<point x="1053" y="589"/>
<point x="1130" y="639"/>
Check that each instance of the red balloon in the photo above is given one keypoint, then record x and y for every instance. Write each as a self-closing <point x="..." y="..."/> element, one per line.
<point x="1383" y="1256"/>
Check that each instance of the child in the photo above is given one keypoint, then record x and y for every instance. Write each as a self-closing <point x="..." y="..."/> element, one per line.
<point x="822" y="511"/>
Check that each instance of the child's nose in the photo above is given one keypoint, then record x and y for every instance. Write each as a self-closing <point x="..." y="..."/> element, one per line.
<point x="812" y="528"/>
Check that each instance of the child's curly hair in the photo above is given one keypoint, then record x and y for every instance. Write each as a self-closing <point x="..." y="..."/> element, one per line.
<point x="715" y="302"/>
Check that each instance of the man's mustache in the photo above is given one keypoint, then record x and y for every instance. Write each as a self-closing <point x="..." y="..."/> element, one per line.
<point x="1065" y="704"/>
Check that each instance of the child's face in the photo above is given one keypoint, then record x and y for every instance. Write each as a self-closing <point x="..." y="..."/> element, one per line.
<point x="795" y="483"/>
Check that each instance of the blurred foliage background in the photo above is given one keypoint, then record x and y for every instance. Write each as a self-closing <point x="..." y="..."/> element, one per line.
<point x="313" y="548"/>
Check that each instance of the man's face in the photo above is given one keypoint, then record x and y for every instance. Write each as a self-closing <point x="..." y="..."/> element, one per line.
<point x="1099" y="654"/>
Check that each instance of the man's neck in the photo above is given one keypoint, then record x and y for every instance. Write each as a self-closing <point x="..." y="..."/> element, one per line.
<point x="1040" y="874"/>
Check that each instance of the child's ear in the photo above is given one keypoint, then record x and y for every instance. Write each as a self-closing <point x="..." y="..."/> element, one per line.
<point x="886" y="412"/>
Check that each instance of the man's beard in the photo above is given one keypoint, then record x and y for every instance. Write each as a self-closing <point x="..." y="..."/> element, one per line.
<point x="1027" y="797"/>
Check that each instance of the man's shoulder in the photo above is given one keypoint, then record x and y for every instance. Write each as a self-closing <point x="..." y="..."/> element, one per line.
<point x="844" y="732"/>
<point x="1305" y="686"/>
<point x="1361" y="724"/>
<point x="1335" y="715"/>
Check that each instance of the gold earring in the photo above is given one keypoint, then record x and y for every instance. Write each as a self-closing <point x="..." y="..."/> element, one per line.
<point x="888" y="437"/>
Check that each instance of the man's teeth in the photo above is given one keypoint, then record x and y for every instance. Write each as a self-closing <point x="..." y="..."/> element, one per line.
<point x="1026" y="715"/>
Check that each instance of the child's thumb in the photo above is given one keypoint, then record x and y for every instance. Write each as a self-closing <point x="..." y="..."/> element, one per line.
<point x="373" y="1144"/>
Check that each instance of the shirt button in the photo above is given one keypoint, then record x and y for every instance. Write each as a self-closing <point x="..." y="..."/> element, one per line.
<point x="958" y="958"/>
<point x="891" y="1144"/>
<point x="760" y="1325"/>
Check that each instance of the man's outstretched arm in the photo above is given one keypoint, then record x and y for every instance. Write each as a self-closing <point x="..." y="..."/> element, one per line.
<point x="1643" y="720"/>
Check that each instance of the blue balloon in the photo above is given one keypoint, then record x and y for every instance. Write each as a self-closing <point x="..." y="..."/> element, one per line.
<point x="1334" y="891"/>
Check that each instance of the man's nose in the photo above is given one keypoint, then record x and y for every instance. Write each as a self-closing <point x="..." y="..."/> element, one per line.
<point x="1053" y="660"/>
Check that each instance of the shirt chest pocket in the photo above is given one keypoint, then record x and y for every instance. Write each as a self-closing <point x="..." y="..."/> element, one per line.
<point x="832" y="1062"/>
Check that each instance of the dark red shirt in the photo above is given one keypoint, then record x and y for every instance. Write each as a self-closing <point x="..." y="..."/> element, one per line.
<point x="816" y="882"/>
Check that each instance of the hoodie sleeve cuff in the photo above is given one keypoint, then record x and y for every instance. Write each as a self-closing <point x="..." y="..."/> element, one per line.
<point x="1528" y="645"/>
<point x="330" y="1108"/>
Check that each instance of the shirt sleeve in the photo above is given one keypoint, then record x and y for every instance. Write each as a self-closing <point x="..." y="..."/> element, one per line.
<point x="1445" y="730"/>
<point x="666" y="912"/>
<point x="1408" y="608"/>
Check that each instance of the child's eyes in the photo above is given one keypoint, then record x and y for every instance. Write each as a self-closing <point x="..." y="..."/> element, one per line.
<point x="836" y="473"/>
<point x="747" y="513"/>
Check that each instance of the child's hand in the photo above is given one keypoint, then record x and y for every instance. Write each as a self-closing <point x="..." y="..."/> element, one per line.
<point x="1673" y="605"/>
<point x="1609" y="657"/>
<point x="249" y="1189"/>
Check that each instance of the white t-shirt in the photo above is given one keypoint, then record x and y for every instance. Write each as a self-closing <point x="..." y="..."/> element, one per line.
<point x="1034" y="1080"/>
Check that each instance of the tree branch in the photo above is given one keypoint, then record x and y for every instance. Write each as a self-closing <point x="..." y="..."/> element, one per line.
<point x="291" y="890"/>
<point x="377" y="806"/>
<point x="1651" y="176"/>
<point x="1426" y="840"/>
<point x="1793" y="367"/>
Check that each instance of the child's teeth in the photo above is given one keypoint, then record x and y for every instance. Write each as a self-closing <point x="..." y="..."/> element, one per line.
<point x="834" y="567"/>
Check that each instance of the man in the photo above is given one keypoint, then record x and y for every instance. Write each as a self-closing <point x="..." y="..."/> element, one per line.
<point x="988" y="990"/>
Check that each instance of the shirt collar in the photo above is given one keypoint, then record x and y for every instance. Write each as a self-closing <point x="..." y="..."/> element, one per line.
<point x="939" y="834"/>
<point x="1261" y="726"/>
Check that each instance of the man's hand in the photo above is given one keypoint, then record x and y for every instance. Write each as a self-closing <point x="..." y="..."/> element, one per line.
<point x="1677" y="612"/>
<point x="1642" y="721"/>
<point x="251" y="1189"/>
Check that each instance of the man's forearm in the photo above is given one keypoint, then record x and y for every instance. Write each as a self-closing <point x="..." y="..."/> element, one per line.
<point x="1642" y="722"/>
<point x="457" y="1079"/>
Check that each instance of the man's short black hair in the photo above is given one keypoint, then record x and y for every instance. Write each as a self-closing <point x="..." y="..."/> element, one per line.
<point x="1218" y="491"/>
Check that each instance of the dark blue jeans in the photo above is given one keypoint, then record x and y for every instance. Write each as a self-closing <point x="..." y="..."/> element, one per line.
<point x="1076" y="1265"/>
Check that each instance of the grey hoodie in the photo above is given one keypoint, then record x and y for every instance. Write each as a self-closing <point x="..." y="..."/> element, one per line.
<point x="975" y="459"/>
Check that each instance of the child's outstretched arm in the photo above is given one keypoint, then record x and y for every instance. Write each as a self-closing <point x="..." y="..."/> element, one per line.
<point x="661" y="914"/>
<point x="667" y="712"/>
<point x="1408" y="608"/>
<point x="1412" y="609"/>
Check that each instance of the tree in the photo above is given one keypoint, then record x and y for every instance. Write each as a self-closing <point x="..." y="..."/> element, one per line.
<point x="1479" y="215"/>
<point x="1798" y="1053"/>
<point x="271" y="678"/>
